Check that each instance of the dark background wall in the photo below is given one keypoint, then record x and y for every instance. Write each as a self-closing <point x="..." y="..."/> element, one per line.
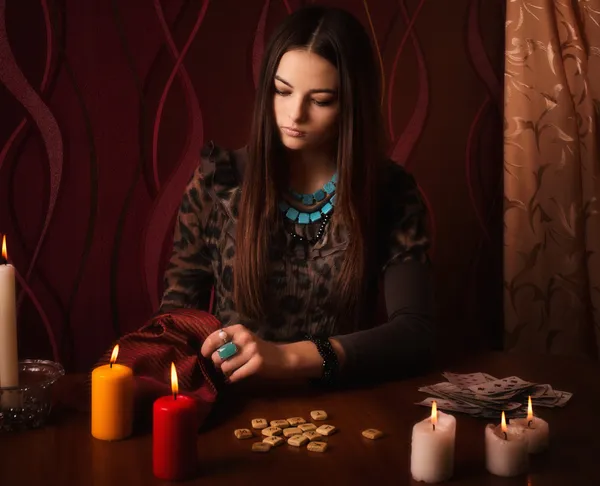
<point x="105" y="104"/>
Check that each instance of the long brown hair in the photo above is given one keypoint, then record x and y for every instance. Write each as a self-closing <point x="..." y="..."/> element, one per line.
<point x="338" y="37"/>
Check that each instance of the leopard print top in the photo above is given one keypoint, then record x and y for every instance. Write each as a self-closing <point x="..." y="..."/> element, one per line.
<point x="301" y="279"/>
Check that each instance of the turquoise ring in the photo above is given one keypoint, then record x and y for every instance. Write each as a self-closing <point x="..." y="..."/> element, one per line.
<point x="227" y="351"/>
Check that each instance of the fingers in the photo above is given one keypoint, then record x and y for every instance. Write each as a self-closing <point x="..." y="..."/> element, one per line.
<point x="244" y="355"/>
<point x="213" y="341"/>
<point x="246" y="362"/>
<point x="250" y="368"/>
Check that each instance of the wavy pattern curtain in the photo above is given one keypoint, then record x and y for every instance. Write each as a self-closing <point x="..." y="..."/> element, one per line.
<point x="551" y="169"/>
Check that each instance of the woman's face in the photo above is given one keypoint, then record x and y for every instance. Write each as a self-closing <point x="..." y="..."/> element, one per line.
<point x="306" y="100"/>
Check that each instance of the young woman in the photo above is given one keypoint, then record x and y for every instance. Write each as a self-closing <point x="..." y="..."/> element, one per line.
<point x="296" y="230"/>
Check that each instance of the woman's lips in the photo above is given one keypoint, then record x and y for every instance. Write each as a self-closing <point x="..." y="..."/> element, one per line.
<point x="293" y="133"/>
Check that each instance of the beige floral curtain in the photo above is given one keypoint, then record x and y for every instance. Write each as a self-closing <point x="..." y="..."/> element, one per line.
<point x="551" y="171"/>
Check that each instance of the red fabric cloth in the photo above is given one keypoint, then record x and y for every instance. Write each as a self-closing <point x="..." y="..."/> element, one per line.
<point x="174" y="336"/>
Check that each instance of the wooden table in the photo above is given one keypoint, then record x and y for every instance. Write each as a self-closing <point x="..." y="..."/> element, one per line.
<point x="64" y="453"/>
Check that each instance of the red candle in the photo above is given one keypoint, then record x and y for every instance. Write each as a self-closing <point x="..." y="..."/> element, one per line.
<point x="174" y="435"/>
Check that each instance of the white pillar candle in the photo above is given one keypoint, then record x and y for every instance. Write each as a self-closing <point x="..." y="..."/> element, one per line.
<point x="536" y="430"/>
<point x="9" y="364"/>
<point x="505" y="449"/>
<point x="432" y="454"/>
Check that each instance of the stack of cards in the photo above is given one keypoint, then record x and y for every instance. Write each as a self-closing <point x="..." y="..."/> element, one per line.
<point x="483" y="395"/>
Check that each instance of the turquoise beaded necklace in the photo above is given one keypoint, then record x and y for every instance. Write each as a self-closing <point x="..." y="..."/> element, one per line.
<point x="317" y="196"/>
<point x="325" y="210"/>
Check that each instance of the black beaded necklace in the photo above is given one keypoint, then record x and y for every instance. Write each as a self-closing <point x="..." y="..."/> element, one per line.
<point x="312" y="241"/>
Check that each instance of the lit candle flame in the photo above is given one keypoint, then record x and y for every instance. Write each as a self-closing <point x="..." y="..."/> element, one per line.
<point x="529" y="411"/>
<point x="4" y="252"/>
<point x="503" y="424"/>
<point x="174" y="383"/>
<point x="114" y="355"/>
<point x="434" y="415"/>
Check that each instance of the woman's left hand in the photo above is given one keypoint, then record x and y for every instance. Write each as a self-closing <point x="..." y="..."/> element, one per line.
<point x="254" y="357"/>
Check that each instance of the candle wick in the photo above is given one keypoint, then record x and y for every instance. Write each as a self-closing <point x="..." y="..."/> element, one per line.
<point x="529" y="423"/>
<point x="174" y="396"/>
<point x="433" y="427"/>
<point x="505" y="436"/>
<point x="111" y="364"/>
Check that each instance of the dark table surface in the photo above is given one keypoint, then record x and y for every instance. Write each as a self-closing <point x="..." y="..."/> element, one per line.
<point x="64" y="453"/>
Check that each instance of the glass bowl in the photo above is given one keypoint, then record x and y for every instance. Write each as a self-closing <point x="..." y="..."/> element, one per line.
<point x="28" y="405"/>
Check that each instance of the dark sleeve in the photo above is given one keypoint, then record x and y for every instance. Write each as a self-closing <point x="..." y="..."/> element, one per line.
<point x="403" y="345"/>
<point x="189" y="276"/>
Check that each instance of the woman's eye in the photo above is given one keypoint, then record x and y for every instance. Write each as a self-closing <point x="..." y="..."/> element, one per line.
<point x="280" y="92"/>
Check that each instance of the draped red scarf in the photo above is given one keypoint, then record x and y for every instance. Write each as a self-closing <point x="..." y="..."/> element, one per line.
<point x="173" y="336"/>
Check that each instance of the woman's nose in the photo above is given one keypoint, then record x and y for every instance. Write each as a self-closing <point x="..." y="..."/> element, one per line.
<point x="297" y="111"/>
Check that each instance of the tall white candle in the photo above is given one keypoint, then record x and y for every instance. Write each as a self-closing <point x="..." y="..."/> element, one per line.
<point x="536" y="430"/>
<point x="9" y="365"/>
<point x="506" y="449"/>
<point x="432" y="454"/>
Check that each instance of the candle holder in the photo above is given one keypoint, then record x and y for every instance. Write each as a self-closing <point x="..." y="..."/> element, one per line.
<point x="28" y="405"/>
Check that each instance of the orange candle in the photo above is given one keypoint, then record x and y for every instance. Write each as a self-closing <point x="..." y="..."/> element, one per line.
<point x="112" y="400"/>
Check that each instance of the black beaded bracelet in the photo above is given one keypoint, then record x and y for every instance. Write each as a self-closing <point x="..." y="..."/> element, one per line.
<point x="330" y="360"/>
